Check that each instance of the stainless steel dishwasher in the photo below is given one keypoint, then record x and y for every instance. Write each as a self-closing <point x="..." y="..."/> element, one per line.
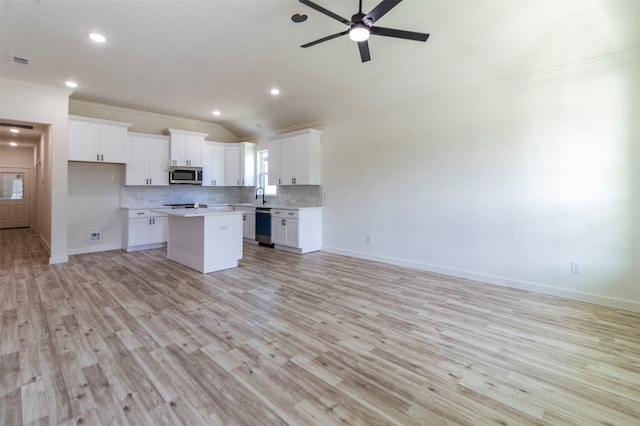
<point x="263" y="226"/>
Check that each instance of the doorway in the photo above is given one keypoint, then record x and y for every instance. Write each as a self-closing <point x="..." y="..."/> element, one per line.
<point x="14" y="198"/>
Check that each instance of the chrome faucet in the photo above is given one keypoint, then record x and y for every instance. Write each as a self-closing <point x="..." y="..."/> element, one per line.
<point x="258" y="189"/>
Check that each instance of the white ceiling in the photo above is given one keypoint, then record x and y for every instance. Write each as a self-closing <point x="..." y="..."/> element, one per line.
<point x="187" y="58"/>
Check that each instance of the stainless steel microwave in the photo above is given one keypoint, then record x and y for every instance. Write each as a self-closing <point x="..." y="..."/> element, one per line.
<point x="185" y="175"/>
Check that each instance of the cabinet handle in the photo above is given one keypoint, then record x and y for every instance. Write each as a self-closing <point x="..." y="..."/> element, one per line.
<point x="244" y="217"/>
<point x="279" y="181"/>
<point x="290" y="214"/>
<point x="284" y="222"/>
<point x="154" y="220"/>
<point x="101" y="157"/>
<point x="238" y="182"/>
<point x="97" y="157"/>
<point x="150" y="181"/>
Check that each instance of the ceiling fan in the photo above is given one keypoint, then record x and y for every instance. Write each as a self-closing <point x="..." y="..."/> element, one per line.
<point x="361" y="26"/>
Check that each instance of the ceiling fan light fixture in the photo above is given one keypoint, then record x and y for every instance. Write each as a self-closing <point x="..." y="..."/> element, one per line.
<point x="359" y="32"/>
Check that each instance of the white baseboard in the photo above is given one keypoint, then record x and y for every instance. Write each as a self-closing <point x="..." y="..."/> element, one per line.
<point x="58" y="259"/>
<point x="491" y="279"/>
<point x="95" y="249"/>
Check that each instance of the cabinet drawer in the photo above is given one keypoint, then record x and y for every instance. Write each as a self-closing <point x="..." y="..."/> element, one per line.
<point x="143" y="213"/>
<point x="284" y="213"/>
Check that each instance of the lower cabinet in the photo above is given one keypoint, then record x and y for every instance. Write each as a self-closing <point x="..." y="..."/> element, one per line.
<point x="248" y="222"/>
<point x="144" y="230"/>
<point x="297" y="230"/>
<point x="249" y="225"/>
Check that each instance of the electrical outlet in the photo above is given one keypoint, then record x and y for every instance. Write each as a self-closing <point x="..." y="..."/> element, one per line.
<point x="95" y="236"/>
<point x="367" y="239"/>
<point x="576" y="268"/>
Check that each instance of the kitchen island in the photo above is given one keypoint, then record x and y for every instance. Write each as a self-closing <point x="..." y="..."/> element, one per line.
<point x="206" y="240"/>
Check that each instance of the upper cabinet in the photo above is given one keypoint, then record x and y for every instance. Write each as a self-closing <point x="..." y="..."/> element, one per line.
<point x="147" y="159"/>
<point x="294" y="158"/>
<point x="240" y="164"/>
<point x="213" y="164"/>
<point x="186" y="147"/>
<point x="96" y="140"/>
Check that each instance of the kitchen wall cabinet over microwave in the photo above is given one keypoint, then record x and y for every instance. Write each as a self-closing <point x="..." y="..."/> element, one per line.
<point x="185" y="147"/>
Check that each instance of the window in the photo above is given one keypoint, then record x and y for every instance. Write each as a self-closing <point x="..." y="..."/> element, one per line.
<point x="263" y="173"/>
<point x="11" y="186"/>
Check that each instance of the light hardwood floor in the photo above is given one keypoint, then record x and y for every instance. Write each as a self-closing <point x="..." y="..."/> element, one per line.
<point x="132" y="338"/>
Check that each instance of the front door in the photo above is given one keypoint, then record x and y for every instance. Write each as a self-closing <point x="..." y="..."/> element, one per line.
<point x="14" y="198"/>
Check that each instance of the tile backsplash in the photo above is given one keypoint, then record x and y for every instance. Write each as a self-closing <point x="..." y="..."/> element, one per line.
<point x="156" y="196"/>
<point x="295" y="196"/>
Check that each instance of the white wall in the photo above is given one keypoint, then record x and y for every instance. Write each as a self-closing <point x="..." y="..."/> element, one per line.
<point x="506" y="182"/>
<point x="94" y="206"/>
<point x="47" y="105"/>
<point x="16" y="156"/>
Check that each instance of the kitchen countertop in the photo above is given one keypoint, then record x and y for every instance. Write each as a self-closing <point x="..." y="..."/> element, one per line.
<point x="222" y="206"/>
<point x="198" y="212"/>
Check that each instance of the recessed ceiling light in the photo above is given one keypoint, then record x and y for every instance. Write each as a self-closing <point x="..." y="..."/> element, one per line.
<point x="275" y="91"/>
<point x="13" y="144"/>
<point x="14" y="131"/>
<point x="98" y="38"/>
<point x="216" y="113"/>
<point x="71" y="84"/>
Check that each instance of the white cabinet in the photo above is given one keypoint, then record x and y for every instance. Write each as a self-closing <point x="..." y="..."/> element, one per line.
<point x="97" y="141"/>
<point x="297" y="230"/>
<point x="294" y="158"/>
<point x="147" y="159"/>
<point x="186" y="147"/>
<point x="144" y="230"/>
<point x="213" y="164"/>
<point x="248" y="222"/>
<point x="240" y="164"/>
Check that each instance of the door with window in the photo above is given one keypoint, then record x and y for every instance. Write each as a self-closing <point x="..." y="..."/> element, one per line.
<point x="14" y="198"/>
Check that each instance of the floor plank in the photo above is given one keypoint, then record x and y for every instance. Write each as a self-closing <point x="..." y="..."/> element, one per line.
<point x="132" y="338"/>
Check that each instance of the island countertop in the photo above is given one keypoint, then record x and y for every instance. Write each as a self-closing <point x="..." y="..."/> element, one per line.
<point x="199" y="212"/>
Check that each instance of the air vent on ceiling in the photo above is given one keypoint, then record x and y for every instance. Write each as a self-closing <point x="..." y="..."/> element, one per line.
<point x="19" y="126"/>
<point x="19" y="59"/>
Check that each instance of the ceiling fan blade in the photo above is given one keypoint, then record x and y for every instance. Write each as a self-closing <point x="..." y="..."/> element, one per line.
<point x="409" y="35"/>
<point x="320" y="40"/>
<point x="363" y="46"/>
<point x="326" y="12"/>
<point x="380" y="10"/>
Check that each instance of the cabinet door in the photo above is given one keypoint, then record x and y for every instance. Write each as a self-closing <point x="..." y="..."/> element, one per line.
<point x="250" y="227"/>
<point x="213" y="167"/>
<point x="138" y="231"/>
<point x="291" y="232"/>
<point x="178" y="149"/>
<point x="278" y="230"/>
<point x="232" y="165"/>
<point x="112" y="143"/>
<point x="193" y="151"/>
<point x="158" y="230"/>
<point x="136" y="161"/>
<point x="289" y="158"/>
<point x="207" y="165"/>
<point x="218" y="165"/>
<point x="275" y="162"/>
<point x="157" y="162"/>
<point x="84" y="141"/>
